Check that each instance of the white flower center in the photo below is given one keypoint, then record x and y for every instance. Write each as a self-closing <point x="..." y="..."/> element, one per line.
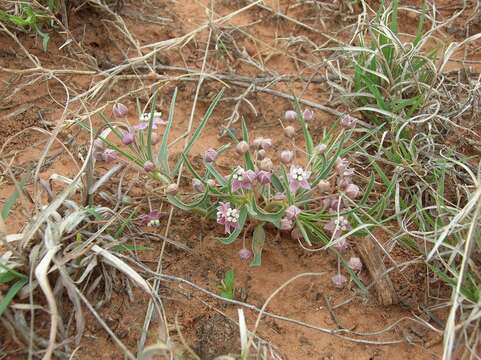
<point x="154" y="223"/>
<point x="299" y="174"/>
<point x="232" y="215"/>
<point x="239" y="174"/>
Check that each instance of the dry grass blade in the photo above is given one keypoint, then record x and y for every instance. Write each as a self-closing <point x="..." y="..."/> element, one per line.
<point x="41" y="274"/>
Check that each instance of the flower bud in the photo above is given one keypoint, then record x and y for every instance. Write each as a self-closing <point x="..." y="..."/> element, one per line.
<point x="290" y="115"/>
<point x="264" y="177"/>
<point x="171" y="189"/>
<point x="296" y="234"/>
<point x="352" y="191"/>
<point x="287" y="156"/>
<point x="292" y="212"/>
<point x="109" y="155"/>
<point x="245" y="254"/>
<point x="321" y="148"/>
<point x="210" y="155"/>
<point x="324" y="186"/>
<point x="148" y="166"/>
<point x="211" y="183"/>
<point x="279" y="197"/>
<point x="342" y="245"/>
<point x="120" y="110"/>
<point x="348" y="121"/>
<point x="266" y="144"/>
<point x="308" y="115"/>
<point x="155" y="139"/>
<point x="257" y="143"/>
<point x="289" y="131"/>
<point x="286" y="224"/>
<point x="355" y="263"/>
<point x="242" y="148"/>
<point x="197" y="185"/>
<point x="266" y="164"/>
<point x="99" y="145"/>
<point x="128" y="138"/>
<point x="344" y="182"/>
<point x="261" y="153"/>
<point x="339" y="281"/>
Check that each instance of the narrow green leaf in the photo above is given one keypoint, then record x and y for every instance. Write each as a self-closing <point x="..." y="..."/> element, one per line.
<point x="258" y="240"/>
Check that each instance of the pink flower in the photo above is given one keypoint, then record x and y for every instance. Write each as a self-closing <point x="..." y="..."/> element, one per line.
<point x="337" y="226"/>
<point x="242" y="179"/>
<point x="286" y="224"/>
<point x="109" y="155"/>
<point x="279" y="196"/>
<point x="144" y="123"/>
<point x="341" y="245"/>
<point x="348" y="121"/>
<point x="245" y="254"/>
<point x="228" y="217"/>
<point x="355" y="263"/>
<point x="298" y="179"/>
<point x="339" y="281"/>
<point x="264" y="177"/>
<point x="308" y="114"/>
<point x="120" y="110"/>
<point x="292" y="212"/>
<point x="151" y="218"/>
<point x="128" y="138"/>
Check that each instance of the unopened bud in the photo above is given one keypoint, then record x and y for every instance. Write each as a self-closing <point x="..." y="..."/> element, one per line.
<point x="128" y="138"/>
<point x="289" y="131"/>
<point x="287" y="156"/>
<point x="261" y="153"/>
<point x="210" y="155"/>
<point x="171" y="189"/>
<point x="321" y="148"/>
<point x="352" y="191"/>
<point x="148" y="166"/>
<point x="120" y="110"/>
<point x="266" y="144"/>
<point x="324" y="186"/>
<point x="197" y="185"/>
<point x="290" y="115"/>
<point x="266" y="164"/>
<point x="242" y="148"/>
<point x="308" y="114"/>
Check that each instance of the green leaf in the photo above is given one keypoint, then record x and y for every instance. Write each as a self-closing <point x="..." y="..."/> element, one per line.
<point x="125" y="247"/>
<point x="12" y="199"/>
<point x="14" y="289"/>
<point x="229" y="279"/>
<point x="198" y="131"/>
<point x="163" y="158"/>
<point x="258" y="240"/>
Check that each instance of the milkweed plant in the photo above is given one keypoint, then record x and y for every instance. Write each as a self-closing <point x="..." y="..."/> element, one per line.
<point x="308" y="193"/>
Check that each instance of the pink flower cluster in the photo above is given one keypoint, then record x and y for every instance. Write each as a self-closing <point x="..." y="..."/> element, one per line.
<point x="245" y="179"/>
<point x="228" y="217"/>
